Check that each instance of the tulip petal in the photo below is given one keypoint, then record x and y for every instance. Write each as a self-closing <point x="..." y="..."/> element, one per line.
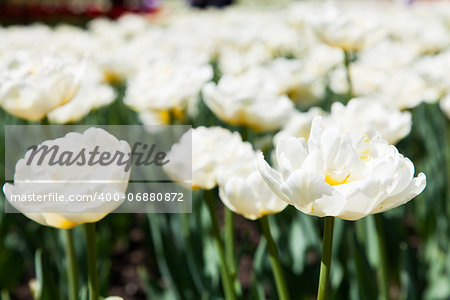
<point x="273" y="178"/>
<point x="309" y="193"/>
<point x="416" y="186"/>
<point x="360" y="197"/>
<point x="291" y="152"/>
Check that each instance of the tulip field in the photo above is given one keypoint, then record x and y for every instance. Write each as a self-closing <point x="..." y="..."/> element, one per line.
<point x="261" y="150"/>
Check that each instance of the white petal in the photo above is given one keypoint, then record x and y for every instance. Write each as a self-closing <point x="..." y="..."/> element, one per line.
<point x="291" y="152"/>
<point x="416" y="187"/>
<point x="272" y="177"/>
<point x="360" y="197"/>
<point x="309" y="193"/>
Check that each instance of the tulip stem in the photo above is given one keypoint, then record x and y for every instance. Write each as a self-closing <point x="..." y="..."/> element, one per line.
<point x="325" y="264"/>
<point x="71" y="261"/>
<point x="92" y="260"/>
<point x="347" y="62"/>
<point x="382" y="270"/>
<point x="280" y="282"/>
<point x="229" y="238"/>
<point x="229" y="248"/>
<point x="243" y="132"/>
<point x="224" y="270"/>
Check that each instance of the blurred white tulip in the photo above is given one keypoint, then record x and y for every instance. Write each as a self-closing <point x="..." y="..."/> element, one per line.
<point x="248" y="100"/>
<point x="360" y="116"/>
<point x="33" y="86"/>
<point x="92" y="94"/>
<point x="350" y="30"/>
<point x="213" y="148"/>
<point x="243" y="190"/>
<point x="370" y="115"/>
<point x="167" y="86"/>
<point x="299" y="125"/>
<point x="77" y="179"/>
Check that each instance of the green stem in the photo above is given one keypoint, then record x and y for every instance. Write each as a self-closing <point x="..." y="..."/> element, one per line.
<point x="283" y="293"/>
<point x="190" y="261"/>
<point x="229" y="248"/>
<point x="229" y="239"/>
<point x="92" y="260"/>
<point x="325" y="264"/>
<point x="383" y="267"/>
<point x="225" y="274"/>
<point x="243" y="132"/>
<point x="347" y="62"/>
<point x="72" y="272"/>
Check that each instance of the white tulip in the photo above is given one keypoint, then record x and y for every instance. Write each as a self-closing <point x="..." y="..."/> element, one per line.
<point x="388" y="54"/>
<point x="350" y="31"/>
<point x="167" y="85"/>
<point x="125" y="27"/>
<point x="300" y="79"/>
<point x="370" y="115"/>
<point x="244" y="40"/>
<point x="91" y="95"/>
<point x="404" y="89"/>
<point x="434" y="70"/>
<point x="399" y="87"/>
<point x="77" y="179"/>
<point x="212" y="149"/>
<point x="88" y="98"/>
<point x="233" y="61"/>
<point x="299" y="125"/>
<point x="243" y="190"/>
<point x="248" y="100"/>
<point x="428" y="33"/>
<point x="32" y="88"/>
<point x="359" y="116"/>
<point x="333" y="175"/>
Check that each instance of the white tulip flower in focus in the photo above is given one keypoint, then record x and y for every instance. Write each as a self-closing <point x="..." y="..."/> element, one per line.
<point x="333" y="175"/>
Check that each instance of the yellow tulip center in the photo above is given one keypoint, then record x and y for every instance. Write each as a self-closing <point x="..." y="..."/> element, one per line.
<point x="332" y="181"/>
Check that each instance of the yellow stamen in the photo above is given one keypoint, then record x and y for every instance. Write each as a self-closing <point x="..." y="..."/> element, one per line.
<point x="332" y="182"/>
<point x="365" y="155"/>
